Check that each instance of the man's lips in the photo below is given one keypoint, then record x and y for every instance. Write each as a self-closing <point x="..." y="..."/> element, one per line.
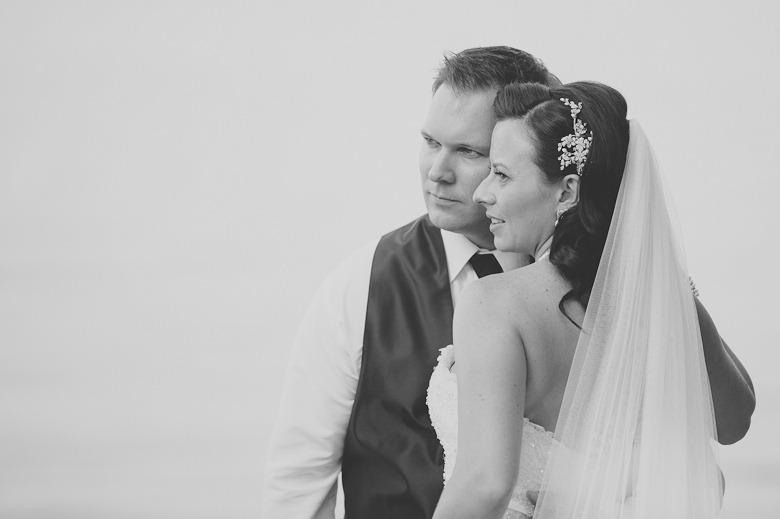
<point x="443" y="198"/>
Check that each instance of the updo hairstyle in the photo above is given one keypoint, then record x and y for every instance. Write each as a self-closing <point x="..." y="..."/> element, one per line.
<point x="582" y="230"/>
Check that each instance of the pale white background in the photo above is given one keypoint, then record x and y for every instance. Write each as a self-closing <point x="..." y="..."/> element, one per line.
<point x="177" y="177"/>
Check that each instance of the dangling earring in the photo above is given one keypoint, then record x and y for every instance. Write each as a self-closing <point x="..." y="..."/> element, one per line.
<point x="558" y="215"/>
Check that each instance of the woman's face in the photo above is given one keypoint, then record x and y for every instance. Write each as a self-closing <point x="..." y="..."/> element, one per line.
<point x="520" y="203"/>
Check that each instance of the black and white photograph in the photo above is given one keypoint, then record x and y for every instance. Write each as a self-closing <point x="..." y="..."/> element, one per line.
<point x="397" y="260"/>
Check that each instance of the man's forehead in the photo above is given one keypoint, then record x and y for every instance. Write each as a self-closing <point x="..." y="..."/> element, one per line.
<point x="466" y="117"/>
<point x="448" y="107"/>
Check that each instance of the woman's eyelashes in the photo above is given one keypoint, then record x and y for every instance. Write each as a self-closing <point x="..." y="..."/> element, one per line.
<point x="502" y="177"/>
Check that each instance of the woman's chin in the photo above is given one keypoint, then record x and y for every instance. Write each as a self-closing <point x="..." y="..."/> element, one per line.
<point x="505" y="245"/>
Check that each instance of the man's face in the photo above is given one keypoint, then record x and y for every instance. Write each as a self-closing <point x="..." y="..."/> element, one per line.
<point x="454" y="159"/>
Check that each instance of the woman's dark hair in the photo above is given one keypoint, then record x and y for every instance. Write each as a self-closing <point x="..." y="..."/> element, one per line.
<point x="579" y="237"/>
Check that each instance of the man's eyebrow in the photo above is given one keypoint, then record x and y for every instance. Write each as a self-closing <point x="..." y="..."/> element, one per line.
<point x="485" y="150"/>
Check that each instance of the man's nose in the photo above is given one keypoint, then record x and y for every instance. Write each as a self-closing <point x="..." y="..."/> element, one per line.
<point x="483" y="194"/>
<point x="441" y="169"/>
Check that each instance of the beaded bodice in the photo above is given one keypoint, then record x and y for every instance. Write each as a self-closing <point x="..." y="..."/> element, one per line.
<point x="442" y="403"/>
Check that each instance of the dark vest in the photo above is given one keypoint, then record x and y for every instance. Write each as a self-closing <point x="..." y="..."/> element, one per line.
<point x="392" y="464"/>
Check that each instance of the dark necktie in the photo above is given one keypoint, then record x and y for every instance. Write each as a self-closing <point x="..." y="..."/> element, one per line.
<point x="485" y="264"/>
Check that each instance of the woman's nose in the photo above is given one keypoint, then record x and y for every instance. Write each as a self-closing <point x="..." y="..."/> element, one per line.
<point x="483" y="195"/>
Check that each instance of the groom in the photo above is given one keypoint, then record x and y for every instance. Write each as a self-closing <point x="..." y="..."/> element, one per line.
<point x="354" y="395"/>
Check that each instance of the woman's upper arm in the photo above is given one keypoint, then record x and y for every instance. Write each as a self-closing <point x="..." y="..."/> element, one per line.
<point x="491" y="371"/>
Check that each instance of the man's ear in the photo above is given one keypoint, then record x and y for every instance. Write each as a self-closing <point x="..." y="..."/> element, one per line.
<point x="570" y="192"/>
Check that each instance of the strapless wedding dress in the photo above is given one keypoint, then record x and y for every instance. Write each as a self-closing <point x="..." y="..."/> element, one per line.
<point x="442" y="403"/>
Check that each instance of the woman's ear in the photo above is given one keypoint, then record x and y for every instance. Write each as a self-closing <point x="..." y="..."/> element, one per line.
<point x="570" y="192"/>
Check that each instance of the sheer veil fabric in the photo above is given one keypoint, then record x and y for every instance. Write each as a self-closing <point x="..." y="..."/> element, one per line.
<point x="636" y="431"/>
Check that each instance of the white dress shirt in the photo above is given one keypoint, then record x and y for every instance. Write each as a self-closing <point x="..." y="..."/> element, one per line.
<point x="304" y="458"/>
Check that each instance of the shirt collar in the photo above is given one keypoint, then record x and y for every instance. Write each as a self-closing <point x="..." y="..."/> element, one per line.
<point x="460" y="249"/>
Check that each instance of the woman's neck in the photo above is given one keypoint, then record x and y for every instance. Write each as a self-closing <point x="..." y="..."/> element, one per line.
<point x="543" y="250"/>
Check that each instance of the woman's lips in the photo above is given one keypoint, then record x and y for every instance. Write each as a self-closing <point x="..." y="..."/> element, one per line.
<point x="494" y="221"/>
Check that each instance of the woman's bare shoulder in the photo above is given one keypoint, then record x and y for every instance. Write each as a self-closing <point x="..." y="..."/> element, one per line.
<point x="514" y="298"/>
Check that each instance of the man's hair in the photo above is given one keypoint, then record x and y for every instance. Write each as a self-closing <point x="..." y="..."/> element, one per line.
<point x="484" y="68"/>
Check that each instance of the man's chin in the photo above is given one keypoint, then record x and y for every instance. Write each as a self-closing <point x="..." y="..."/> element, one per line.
<point x="443" y="220"/>
<point x="459" y="224"/>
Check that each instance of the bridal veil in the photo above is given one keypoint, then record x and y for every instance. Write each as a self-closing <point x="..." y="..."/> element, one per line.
<point x="636" y="431"/>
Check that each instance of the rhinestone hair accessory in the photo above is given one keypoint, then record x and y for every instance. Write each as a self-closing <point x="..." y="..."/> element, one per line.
<point x="575" y="146"/>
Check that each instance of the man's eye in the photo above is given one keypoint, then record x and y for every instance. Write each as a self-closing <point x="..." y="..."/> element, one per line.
<point x="500" y="175"/>
<point x="430" y="142"/>
<point x="470" y="153"/>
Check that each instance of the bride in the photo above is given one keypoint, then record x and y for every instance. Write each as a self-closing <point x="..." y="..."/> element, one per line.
<point x="597" y="341"/>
